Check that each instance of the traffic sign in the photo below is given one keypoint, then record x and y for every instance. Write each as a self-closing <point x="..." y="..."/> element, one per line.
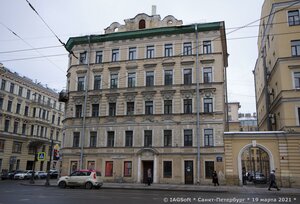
<point x="41" y="156"/>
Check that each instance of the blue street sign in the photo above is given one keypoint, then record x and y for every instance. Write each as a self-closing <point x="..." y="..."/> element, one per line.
<point x="41" y="156"/>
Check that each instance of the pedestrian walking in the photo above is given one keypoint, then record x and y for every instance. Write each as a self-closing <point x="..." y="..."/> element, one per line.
<point x="215" y="179"/>
<point x="244" y="176"/>
<point x="149" y="177"/>
<point x="273" y="183"/>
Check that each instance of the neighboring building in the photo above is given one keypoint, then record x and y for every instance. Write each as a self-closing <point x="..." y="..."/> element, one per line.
<point x="141" y="106"/>
<point x="248" y="122"/>
<point x="277" y="70"/>
<point x="233" y="116"/>
<point x="30" y="116"/>
<point x="261" y="152"/>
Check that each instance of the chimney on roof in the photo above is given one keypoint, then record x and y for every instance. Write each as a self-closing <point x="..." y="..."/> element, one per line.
<point x="153" y="10"/>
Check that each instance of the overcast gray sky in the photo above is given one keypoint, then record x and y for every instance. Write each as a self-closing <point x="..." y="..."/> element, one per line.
<point x="69" y="18"/>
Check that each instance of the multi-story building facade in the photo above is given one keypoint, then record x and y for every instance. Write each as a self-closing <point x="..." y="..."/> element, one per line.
<point x="30" y="117"/>
<point x="277" y="70"/>
<point x="248" y="122"/>
<point x="131" y="101"/>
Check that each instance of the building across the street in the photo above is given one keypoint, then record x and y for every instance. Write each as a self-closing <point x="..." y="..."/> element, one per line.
<point x="132" y="101"/>
<point x="248" y="122"/>
<point x="30" y="117"/>
<point x="277" y="69"/>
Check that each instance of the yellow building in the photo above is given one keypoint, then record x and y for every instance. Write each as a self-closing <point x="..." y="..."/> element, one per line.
<point x="30" y="116"/>
<point x="131" y="101"/>
<point x="277" y="70"/>
<point x="260" y="153"/>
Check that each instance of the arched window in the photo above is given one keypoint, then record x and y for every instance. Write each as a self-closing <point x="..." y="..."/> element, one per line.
<point x="142" y="24"/>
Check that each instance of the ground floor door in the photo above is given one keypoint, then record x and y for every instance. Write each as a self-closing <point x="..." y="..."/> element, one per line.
<point x="188" y="172"/>
<point x="29" y="165"/>
<point x="147" y="165"/>
<point x="209" y="169"/>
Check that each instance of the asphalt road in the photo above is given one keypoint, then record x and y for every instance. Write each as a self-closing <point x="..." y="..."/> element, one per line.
<point x="11" y="192"/>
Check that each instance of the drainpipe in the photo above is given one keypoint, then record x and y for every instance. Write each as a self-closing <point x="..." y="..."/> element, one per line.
<point x="198" y="105"/>
<point x="85" y="103"/>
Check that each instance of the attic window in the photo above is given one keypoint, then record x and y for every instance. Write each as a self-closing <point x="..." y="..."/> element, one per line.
<point x="116" y="29"/>
<point x="170" y="22"/>
<point x="142" y="24"/>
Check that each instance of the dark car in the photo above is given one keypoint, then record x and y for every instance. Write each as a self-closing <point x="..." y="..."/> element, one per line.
<point x="53" y="174"/>
<point x="259" y="178"/>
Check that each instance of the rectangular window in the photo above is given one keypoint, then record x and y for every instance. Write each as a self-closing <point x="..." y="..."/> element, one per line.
<point x="294" y="18"/>
<point x="1" y="103"/>
<point x="188" y="138"/>
<point x="148" y="107"/>
<point x="168" y="138"/>
<point x="114" y="81"/>
<point x="112" y="109"/>
<point x="97" y="82"/>
<point x="2" y="142"/>
<point x="150" y="78"/>
<point x="9" y="106"/>
<point x="132" y="53"/>
<point x="33" y="112"/>
<point x="17" y="147"/>
<point x="76" y="138"/>
<point x="26" y="111"/>
<point x="16" y="126"/>
<point x="3" y="84"/>
<point x="207" y="75"/>
<point x="299" y="116"/>
<point x="58" y="121"/>
<point x="207" y="47"/>
<point x="167" y="106"/>
<point x="187" y="48"/>
<point x="128" y="138"/>
<point x="187" y="76"/>
<point x="295" y="48"/>
<point x="78" y="111"/>
<point x="99" y="57"/>
<point x="12" y="88"/>
<point x="24" y="126"/>
<point x="167" y="169"/>
<point x="115" y="55"/>
<point x="18" y="108"/>
<point x="73" y="166"/>
<point x="209" y="169"/>
<point x="6" y="125"/>
<point x="187" y="106"/>
<point x="147" y="138"/>
<point x="297" y="80"/>
<point x="131" y="80"/>
<point x="109" y="166"/>
<point x="127" y="168"/>
<point x="168" y="77"/>
<point x="208" y="105"/>
<point x="95" y="110"/>
<point x="53" y="119"/>
<point x="82" y="58"/>
<point x="20" y="91"/>
<point x="168" y="50"/>
<point x="28" y="94"/>
<point x="130" y="108"/>
<point x="208" y="138"/>
<point x="150" y="52"/>
<point x="110" y="139"/>
<point x="93" y="139"/>
<point x="80" y="85"/>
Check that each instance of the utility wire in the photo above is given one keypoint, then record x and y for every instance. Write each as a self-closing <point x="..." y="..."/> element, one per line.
<point x="61" y="42"/>
<point x="31" y="49"/>
<point x="28" y="58"/>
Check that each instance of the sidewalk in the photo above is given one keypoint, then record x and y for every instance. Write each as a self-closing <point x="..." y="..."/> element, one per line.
<point x="181" y="187"/>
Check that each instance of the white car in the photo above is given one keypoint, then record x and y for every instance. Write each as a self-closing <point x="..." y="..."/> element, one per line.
<point x="23" y="175"/>
<point x="86" y="178"/>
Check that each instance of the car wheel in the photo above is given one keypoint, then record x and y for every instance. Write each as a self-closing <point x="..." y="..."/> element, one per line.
<point x="88" y="185"/>
<point x="62" y="184"/>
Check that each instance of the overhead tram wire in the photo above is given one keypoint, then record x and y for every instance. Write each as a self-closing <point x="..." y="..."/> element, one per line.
<point x="60" y="41"/>
<point x="25" y="50"/>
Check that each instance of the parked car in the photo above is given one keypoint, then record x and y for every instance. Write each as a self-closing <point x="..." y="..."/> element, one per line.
<point x="259" y="178"/>
<point x="86" y="178"/>
<point x="10" y="175"/>
<point x="40" y="175"/>
<point x="24" y="175"/>
<point x="53" y="174"/>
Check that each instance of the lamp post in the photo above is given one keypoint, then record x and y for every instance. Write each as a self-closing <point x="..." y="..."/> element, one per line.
<point x="48" y="166"/>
